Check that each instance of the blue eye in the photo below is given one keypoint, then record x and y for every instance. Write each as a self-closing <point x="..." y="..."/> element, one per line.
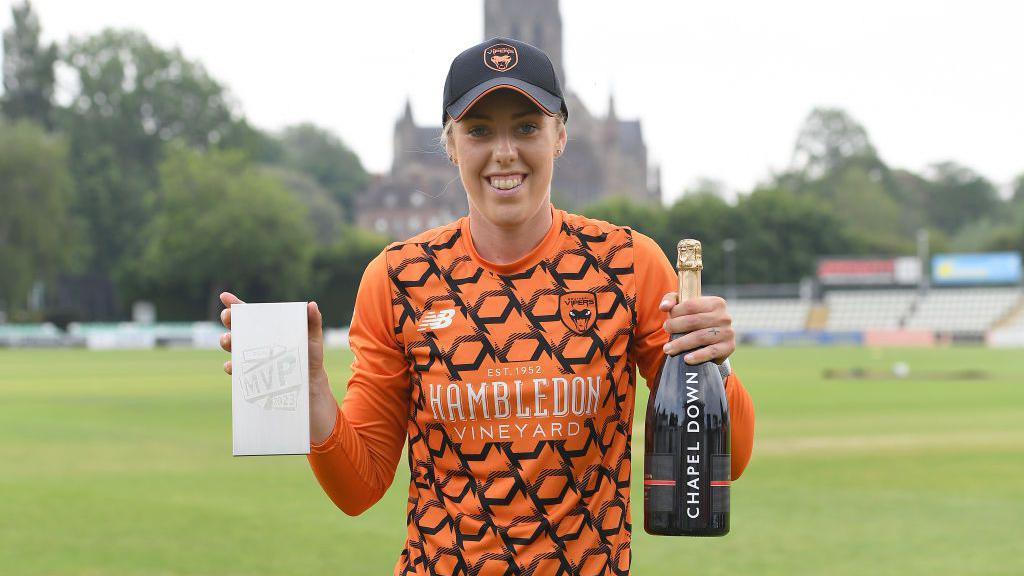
<point x="528" y="128"/>
<point x="477" y="131"/>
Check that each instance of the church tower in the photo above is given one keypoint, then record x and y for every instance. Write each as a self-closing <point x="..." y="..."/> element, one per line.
<point x="404" y="140"/>
<point x="605" y="155"/>
<point x="535" y="22"/>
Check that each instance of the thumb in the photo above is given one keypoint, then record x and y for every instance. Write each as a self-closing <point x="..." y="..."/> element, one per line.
<point x="316" y="322"/>
<point x="668" y="301"/>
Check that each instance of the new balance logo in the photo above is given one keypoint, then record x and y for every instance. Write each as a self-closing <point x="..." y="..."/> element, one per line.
<point x="436" y="320"/>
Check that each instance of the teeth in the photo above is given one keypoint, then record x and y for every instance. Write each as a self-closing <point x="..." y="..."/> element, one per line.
<point x="506" y="182"/>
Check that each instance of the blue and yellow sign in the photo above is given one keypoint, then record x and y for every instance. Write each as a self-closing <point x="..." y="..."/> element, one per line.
<point x="981" y="268"/>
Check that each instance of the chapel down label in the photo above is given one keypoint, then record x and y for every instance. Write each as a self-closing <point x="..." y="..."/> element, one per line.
<point x="686" y="449"/>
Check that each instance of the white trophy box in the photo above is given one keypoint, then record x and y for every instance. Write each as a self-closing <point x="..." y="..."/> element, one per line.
<point x="269" y="379"/>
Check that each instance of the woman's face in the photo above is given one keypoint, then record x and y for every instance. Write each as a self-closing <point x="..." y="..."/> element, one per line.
<point x="505" y="148"/>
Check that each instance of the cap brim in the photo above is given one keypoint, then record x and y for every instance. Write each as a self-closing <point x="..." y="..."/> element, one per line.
<point x="546" y="101"/>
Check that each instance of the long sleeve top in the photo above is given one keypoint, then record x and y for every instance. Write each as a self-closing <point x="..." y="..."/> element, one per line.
<point x="513" y="387"/>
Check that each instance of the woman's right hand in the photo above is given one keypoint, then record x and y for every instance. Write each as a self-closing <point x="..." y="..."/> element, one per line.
<point x="323" y="406"/>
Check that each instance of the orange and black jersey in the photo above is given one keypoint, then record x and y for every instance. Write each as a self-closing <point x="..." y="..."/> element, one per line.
<point x="513" y="386"/>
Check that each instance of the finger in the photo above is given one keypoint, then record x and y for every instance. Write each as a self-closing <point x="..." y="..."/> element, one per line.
<point x="697" y="305"/>
<point x="668" y="301"/>
<point x="227" y="366"/>
<point x="225" y="341"/>
<point x="715" y="352"/>
<point x="692" y="322"/>
<point x="699" y="338"/>
<point x="227" y="298"/>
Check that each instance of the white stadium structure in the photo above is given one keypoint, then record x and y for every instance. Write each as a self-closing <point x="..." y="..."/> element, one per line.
<point x="967" y="298"/>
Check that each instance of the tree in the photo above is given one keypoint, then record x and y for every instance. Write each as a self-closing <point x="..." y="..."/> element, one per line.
<point x="136" y="95"/>
<point x="780" y="235"/>
<point x="37" y="235"/>
<point x="980" y="235"/>
<point x="28" y="75"/>
<point x="828" y="139"/>
<point x="223" y="224"/>
<point x="910" y="191"/>
<point x="260" y="146"/>
<point x="706" y="217"/>
<point x="958" y="195"/>
<point x="324" y="216"/>
<point x="338" y="269"/>
<point x="317" y="152"/>
<point x="1005" y="233"/>
<point x="115" y="200"/>
<point x="872" y="218"/>
<point x="1018" y="189"/>
<point x="622" y="211"/>
<point x="128" y="98"/>
<point x="705" y="185"/>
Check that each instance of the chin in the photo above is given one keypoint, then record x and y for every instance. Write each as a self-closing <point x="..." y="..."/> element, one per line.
<point x="507" y="207"/>
<point x="507" y="213"/>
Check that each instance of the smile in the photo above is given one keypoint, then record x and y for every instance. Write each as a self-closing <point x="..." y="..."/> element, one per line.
<point x="507" y="183"/>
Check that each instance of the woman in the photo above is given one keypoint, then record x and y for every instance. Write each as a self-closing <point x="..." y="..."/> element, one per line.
<point x="502" y="349"/>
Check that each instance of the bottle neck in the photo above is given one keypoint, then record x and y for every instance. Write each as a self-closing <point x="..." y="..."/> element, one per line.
<point x="689" y="289"/>
<point x="689" y="285"/>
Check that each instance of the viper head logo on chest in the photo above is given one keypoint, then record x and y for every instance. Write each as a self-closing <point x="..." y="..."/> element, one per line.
<point x="578" y="310"/>
<point x="580" y="317"/>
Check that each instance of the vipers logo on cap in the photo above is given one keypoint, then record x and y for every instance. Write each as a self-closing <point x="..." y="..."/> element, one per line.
<point x="501" y="57"/>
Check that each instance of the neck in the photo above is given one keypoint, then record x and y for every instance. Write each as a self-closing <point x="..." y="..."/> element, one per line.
<point x="501" y="243"/>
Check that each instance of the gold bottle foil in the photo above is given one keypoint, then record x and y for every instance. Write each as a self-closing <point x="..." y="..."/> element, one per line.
<point x="689" y="264"/>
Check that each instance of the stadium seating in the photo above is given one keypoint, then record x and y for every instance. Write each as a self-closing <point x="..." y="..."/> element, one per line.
<point x="996" y="313"/>
<point x="1016" y="324"/>
<point x="1008" y="333"/>
<point x="769" y="314"/>
<point x="963" y="309"/>
<point x="868" y="309"/>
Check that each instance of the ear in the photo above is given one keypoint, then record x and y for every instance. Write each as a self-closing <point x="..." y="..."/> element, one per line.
<point x="563" y="137"/>
<point x="449" y="147"/>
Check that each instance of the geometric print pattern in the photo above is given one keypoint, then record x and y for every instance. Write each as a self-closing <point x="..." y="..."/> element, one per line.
<point x="550" y="503"/>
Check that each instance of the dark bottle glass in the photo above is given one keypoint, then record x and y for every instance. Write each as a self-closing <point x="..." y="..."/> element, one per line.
<point x="687" y="446"/>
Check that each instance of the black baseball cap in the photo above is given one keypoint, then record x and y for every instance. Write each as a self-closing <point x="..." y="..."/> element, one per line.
<point x="502" y="63"/>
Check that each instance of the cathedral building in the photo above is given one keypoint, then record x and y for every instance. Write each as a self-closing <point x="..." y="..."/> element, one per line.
<point x="605" y="156"/>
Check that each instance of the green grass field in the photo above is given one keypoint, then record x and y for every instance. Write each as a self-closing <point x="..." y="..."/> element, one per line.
<point x="120" y="463"/>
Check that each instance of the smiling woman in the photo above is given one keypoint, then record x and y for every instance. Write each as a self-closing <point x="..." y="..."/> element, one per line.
<point x="504" y="125"/>
<point x="502" y="349"/>
<point x="505" y="149"/>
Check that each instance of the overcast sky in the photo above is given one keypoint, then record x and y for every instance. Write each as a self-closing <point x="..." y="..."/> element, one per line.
<point x="721" y="87"/>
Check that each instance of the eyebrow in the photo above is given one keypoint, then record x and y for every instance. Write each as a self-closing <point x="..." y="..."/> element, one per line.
<point x="517" y="115"/>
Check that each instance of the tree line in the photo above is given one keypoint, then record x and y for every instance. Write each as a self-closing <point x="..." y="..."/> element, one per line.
<point x="143" y="180"/>
<point x="838" y="197"/>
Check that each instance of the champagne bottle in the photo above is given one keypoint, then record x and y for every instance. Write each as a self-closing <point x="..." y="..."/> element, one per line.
<point x="687" y="465"/>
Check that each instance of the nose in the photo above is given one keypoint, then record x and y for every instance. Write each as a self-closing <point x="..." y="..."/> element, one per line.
<point x="505" y="149"/>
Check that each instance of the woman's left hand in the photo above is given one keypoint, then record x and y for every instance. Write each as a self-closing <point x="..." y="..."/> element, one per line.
<point x="708" y="328"/>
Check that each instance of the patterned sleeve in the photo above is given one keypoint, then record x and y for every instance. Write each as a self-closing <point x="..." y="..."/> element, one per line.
<point x="357" y="462"/>
<point x="655" y="277"/>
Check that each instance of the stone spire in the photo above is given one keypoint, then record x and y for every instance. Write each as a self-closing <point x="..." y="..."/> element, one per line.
<point x="407" y="113"/>
<point x="536" y="22"/>
<point x="404" y="139"/>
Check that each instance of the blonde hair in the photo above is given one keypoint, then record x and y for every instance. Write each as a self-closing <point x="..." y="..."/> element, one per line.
<point x="446" y="132"/>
